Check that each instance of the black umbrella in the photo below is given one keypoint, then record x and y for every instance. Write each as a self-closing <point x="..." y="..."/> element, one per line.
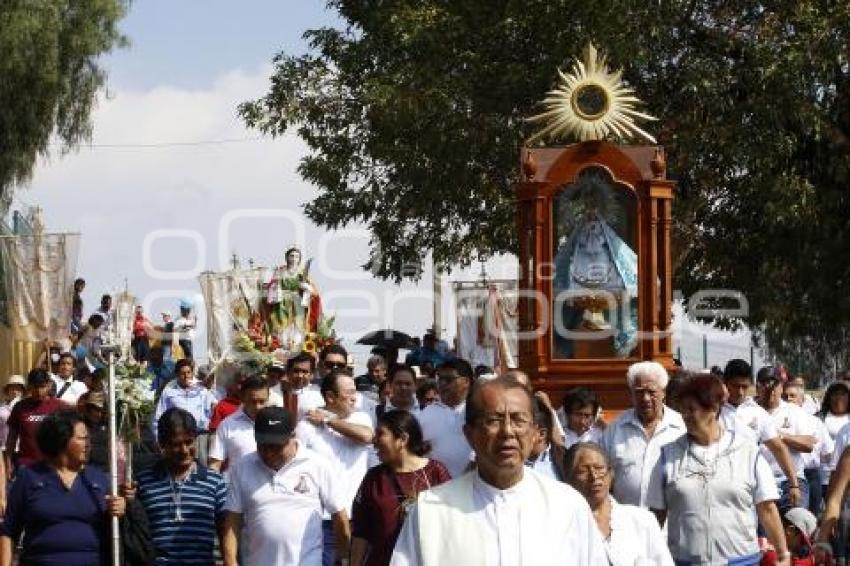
<point x="388" y="338"/>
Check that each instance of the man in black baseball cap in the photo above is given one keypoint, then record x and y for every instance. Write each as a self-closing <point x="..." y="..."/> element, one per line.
<point x="282" y="479"/>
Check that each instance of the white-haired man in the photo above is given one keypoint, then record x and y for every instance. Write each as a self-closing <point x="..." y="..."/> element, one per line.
<point x="634" y="440"/>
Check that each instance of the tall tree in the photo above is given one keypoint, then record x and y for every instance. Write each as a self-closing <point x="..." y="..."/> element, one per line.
<point x="413" y="112"/>
<point x="49" y="77"/>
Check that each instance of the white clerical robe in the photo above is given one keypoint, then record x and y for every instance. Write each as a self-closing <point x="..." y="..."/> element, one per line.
<point x="466" y="521"/>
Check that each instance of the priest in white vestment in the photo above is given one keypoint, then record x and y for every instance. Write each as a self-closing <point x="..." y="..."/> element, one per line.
<point x="501" y="514"/>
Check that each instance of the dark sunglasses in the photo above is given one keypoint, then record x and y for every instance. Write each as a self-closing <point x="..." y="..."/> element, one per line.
<point x="335" y="365"/>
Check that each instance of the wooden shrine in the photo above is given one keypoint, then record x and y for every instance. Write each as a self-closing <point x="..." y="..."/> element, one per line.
<point x="594" y="243"/>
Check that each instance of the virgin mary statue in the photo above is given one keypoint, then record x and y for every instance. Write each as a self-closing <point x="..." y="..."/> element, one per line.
<point x="596" y="259"/>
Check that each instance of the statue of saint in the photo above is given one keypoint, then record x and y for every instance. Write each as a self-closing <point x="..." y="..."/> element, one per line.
<point x="593" y="264"/>
<point x="290" y="298"/>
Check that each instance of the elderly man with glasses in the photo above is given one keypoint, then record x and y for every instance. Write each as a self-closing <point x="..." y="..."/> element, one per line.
<point x="502" y="513"/>
<point x="633" y="442"/>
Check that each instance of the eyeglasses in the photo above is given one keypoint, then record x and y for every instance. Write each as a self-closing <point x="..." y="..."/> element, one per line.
<point x="335" y="365"/>
<point x="520" y="422"/>
<point x="591" y="472"/>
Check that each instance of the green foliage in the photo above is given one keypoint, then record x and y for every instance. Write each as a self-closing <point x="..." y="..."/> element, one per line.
<point x="49" y="76"/>
<point x="413" y="113"/>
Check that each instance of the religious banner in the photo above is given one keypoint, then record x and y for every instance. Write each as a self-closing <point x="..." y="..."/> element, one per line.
<point x="487" y="320"/>
<point x="38" y="272"/>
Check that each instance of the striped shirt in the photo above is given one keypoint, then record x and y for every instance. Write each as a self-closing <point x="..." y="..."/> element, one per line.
<point x="198" y="501"/>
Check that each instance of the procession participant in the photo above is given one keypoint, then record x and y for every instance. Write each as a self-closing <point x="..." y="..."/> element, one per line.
<point x="92" y="407"/>
<point x="581" y="414"/>
<point x="402" y="392"/>
<point x="742" y="410"/>
<point x="332" y="357"/>
<point x="91" y="338"/>
<point x="283" y="478"/>
<point x="834" y="522"/>
<point x="547" y="456"/>
<point x="342" y="435"/>
<point x="793" y="393"/>
<point x="276" y="379"/>
<point x="184" y="326"/>
<point x="426" y="393"/>
<point x="442" y="421"/>
<point x="185" y="393"/>
<point x="500" y="514"/>
<point x="522" y="377"/>
<point x="160" y="369"/>
<point x="235" y="436"/>
<point x="808" y="403"/>
<point x="633" y="441"/>
<point x="77" y="307"/>
<point x="139" y="344"/>
<point x="24" y="420"/>
<point x="68" y="390"/>
<point x="13" y="392"/>
<point x="60" y="505"/>
<point x="106" y="313"/>
<point x="389" y="488"/>
<point x="299" y="391"/>
<point x="184" y="500"/>
<point x="794" y="431"/>
<point x="631" y="534"/>
<point x="370" y="382"/>
<point x="229" y="404"/>
<point x="708" y="482"/>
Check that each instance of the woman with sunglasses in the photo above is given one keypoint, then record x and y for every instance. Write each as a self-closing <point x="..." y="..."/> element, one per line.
<point x="391" y="487"/>
<point x="709" y="481"/>
<point x="631" y="534"/>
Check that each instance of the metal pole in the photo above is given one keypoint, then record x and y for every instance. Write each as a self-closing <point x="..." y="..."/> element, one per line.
<point x="438" y="302"/>
<point x="113" y="457"/>
<point x="704" y="351"/>
<point x="752" y="357"/>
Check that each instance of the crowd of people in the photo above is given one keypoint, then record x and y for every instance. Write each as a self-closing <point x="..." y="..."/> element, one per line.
<point x="307" y="464"/>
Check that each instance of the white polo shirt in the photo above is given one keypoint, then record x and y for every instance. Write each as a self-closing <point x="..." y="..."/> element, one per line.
<point x="351" y="458"/>
<point x="788" y="419"/>
<point x="282" y="510"/>
<point x="442" y="426"/>
<point x="752" y="415"/>
<point x="234" y="438"/>
<point x="593" y="434"/>
<point x="74" y="391"/>
<point x="634" y="456"/>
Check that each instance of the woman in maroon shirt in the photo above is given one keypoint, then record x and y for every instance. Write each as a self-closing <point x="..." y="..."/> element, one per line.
<point x="391" y="487"/>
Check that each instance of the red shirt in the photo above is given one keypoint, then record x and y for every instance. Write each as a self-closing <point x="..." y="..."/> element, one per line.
<point x="377" y="512"/>
<point x="24" y="420"/>
<point x="223" y="409"/>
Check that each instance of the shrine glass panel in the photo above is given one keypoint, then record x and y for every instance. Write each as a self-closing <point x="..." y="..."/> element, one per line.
<point x="595" y="271"/>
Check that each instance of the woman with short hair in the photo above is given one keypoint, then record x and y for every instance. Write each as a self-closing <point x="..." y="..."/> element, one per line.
<point x="631" y="534"/>
<point x="60" y="505"/>
<point x="709" y="481"/>
<point x="391" y="487"/>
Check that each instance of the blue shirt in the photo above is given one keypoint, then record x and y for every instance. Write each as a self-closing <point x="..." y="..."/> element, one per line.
<point x="60" y="526"/>
<point x="201" y="499"/>
<point x="195" y="399"/>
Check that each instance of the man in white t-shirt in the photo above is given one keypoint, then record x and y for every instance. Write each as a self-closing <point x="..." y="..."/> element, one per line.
<point x="343" y="436"/>
<point x="794" y="431"/>
<point x="280" y="492"/>
<point x="740" y="411"/>
<point x="795" y="394"/>
<point x="68" y="390"/>
<point x="234" y="437"/>
<point x="442" y="422"/>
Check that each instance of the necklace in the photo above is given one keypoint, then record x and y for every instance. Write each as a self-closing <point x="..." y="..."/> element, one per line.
<point x="177" y="493"/>
<point x="408" y="498"/>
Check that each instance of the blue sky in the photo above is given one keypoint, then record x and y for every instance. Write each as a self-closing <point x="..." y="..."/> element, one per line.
<point x="188" y="43"/>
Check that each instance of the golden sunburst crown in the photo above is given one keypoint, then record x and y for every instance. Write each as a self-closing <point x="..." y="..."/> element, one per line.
<point x="590" y="103"/>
